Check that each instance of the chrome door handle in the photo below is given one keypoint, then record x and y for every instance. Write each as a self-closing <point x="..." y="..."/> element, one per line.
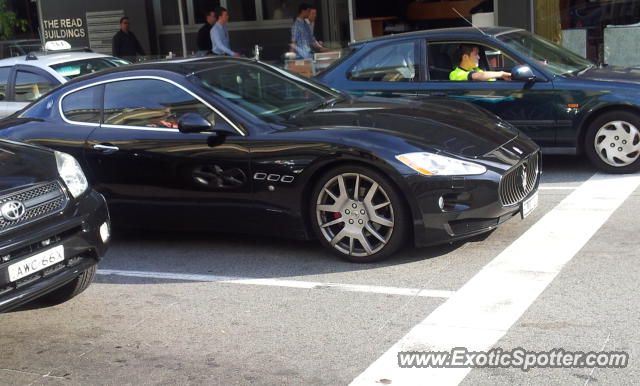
<point x="107" y="149"/>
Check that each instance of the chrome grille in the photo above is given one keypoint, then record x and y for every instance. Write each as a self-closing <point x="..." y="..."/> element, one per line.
<point x="39" y="201"/>
<point x="519" y="181"/>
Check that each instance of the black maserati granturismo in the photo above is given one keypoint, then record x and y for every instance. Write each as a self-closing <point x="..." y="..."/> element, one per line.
<point x="227" y="143"/>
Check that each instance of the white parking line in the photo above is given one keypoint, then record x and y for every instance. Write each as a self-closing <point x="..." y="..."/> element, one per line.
<point x="281" y="283"/>
<point x="484" y="309"/>
<point x="558" y="188"/>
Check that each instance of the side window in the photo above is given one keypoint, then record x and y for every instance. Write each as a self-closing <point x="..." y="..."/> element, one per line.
<point x="30" y="86"/>
<point x="4" y="79"/>
<point x="445" y="57"/>
<point x="390" y="63"/>
<point x="149" y="103"/>
<point x="84" y="105"/>
<point x="498" y="60"/>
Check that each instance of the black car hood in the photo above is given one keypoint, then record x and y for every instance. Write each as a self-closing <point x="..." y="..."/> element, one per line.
<point x="443" y="124"/>
<point x="24" y="165"/>
<point x="613" y="74"/>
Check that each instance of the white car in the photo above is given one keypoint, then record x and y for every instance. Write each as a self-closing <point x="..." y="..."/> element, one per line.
<point x="24" y="79"/>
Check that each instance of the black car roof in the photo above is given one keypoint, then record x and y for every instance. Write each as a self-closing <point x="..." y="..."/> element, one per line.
<point x="179" y="66"/>
<point x="457" y="32"/>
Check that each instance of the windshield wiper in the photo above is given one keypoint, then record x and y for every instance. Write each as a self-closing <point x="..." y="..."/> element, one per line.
<point x="316" y="106"/>
<point x="580" y="72"/>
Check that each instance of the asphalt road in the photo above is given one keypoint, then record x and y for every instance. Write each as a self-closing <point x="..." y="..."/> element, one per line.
<point x="177" y="309"/>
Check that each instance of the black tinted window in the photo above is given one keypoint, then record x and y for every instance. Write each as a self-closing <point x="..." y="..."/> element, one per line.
<point x="149" y="103"/>
<point x="30" y="86"/>
<point x="83" y="105"/>
<point x="4" y="78"/>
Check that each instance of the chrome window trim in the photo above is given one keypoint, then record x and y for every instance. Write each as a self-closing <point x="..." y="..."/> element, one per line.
<point x="144" y="128"/>
<point x="64" y="118"/>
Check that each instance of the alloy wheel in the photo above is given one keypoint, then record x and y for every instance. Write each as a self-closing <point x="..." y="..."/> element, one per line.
<point x="355" y="214"/>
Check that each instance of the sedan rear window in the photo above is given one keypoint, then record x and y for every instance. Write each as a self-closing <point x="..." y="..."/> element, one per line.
<point x="77" y="68"/>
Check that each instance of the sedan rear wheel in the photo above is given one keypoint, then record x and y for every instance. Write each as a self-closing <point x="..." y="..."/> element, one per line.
<point x="358" y="214"/>
<point x="613" y="142"/>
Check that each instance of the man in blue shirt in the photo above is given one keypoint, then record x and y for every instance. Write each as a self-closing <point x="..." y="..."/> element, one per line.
<point x="220" y="34"/>
<point x="301" y="37"/>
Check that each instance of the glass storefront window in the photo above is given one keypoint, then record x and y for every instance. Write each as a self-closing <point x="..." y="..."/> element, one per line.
<point x="202" y="7"/>
<point x="241" y="10"/>
<point x="582" y="25"/>
<point x="282" y="9"/>
<point x="171" y="13"/>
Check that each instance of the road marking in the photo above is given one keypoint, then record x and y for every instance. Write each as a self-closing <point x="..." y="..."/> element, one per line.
<point x="557" y="188"/>
<point x="281" y="283"/>
<point x="484" y="309"/>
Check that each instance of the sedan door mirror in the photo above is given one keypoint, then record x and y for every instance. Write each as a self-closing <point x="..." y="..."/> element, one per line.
<point x="522" y="73"/>
<point x="193" y="123"/>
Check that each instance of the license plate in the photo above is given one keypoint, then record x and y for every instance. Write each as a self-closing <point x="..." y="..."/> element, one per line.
<point x="36" y="263"/>
<point x="529" y="205"/>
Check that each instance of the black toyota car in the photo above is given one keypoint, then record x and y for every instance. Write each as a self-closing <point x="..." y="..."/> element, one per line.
<point x="225" y="143"/>
<point x="53" y="227"/>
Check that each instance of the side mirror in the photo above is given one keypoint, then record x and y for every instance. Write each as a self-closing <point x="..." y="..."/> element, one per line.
<point x="522" y="73"/>
<point x="193" y="123"/>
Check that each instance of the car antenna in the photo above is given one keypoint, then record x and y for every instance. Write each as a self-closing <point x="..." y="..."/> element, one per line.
<point x="467" y="20"/>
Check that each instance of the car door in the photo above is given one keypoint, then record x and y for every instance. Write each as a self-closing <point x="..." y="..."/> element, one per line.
<point x="4" y="90"/>
<point x="530" y="106"/>
<point x="389" y="70"/>
<point x="156" y="176"/>
<point x="27" y="84"/>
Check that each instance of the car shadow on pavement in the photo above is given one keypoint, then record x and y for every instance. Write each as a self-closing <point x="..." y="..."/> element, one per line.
<point x="236" y="255"/>
<point x="566" y="169"/>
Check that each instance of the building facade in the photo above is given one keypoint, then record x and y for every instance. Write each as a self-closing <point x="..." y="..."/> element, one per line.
<point x="601" y="30"/>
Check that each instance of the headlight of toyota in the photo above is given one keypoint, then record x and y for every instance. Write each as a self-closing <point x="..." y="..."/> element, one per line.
<point x="431" y="164"/>
<point x="71" y="173"/>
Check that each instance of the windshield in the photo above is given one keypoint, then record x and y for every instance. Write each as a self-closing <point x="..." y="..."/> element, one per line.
<point x="270" y="94"/>
<point x="77" y="68"/>
<point x="556" y="59"/>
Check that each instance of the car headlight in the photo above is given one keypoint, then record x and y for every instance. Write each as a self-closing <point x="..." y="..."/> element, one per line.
<point x="431" y="164"/>
<point x="71" y="173"/>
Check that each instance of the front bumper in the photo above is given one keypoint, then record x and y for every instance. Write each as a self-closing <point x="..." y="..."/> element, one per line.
<point x="472" y="204"/>
<point x="77" y="230"/>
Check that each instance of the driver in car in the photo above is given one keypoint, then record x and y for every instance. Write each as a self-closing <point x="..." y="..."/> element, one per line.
<point x="468" y="68"/>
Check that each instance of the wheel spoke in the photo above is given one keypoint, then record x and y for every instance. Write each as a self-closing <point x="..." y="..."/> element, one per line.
<point x="365" y="243"/>
<point x="328" y="208"/>
<point x="330" y="194"/>
<point x="342" y="187"/>
<point x="380" y="206"/>
<point x="380" y="220"/>
<point x="341" y="235"/>
<point x="351" y="245"/>
<point x="357" y="187"/>
<point x="369" y="197"/>
<point x="375" y="233"/>
<point x="334" y="222"/>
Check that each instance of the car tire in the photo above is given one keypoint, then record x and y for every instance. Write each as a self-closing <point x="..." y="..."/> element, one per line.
<point x="71" y="289"/>
<point x="612" y="142"/>
<point x="361" y="228"/>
